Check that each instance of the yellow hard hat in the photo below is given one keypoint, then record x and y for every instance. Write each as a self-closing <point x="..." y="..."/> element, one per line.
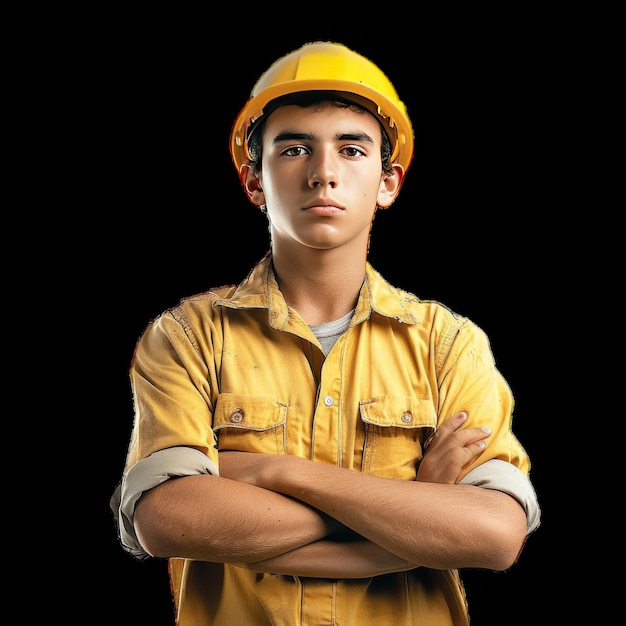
<point x="327" y="66"/>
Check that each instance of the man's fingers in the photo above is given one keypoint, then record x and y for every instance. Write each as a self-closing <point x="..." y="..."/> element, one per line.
<point x="451" y="432"/>
<point x="448" y="427"/>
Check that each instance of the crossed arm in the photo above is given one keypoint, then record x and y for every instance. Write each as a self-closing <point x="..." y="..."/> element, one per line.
<point x="285" y="514"/>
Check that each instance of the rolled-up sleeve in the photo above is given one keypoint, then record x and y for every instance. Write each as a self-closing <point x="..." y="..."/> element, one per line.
<point x="502" y="476"/>
<point x="146" y="474"/>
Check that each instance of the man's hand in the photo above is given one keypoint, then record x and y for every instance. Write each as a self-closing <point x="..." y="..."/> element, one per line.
<point x="249" y="467"/>
<point x="449" y="449"/>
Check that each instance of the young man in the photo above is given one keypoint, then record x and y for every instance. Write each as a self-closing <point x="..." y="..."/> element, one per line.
<point x="315" y="446"/>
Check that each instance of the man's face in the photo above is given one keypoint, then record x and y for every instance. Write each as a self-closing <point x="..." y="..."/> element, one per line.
<point x="321" y="174"/>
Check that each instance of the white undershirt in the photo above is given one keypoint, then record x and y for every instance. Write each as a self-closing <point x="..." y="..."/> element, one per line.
<point x="328" y="333"/>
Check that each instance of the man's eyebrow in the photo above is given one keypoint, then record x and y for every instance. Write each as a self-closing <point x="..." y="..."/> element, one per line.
<point x="291" y="136"/>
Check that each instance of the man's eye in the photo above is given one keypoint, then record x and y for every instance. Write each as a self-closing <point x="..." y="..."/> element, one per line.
<point x="295" y="151"/>
<point x="352" y="151"/>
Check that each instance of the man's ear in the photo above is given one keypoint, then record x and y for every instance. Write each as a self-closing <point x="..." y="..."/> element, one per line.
<point x="251" y="184"/>
<point x="390" y="186"/>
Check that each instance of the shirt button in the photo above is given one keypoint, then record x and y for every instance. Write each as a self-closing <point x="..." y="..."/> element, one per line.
<point x="407" y="418"/>
<point x="236" y="416"/>
<point x="328" y="401"/>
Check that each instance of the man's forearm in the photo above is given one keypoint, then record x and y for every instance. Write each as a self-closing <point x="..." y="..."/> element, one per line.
<point x="332" y="559"/>
<point x="211" y="518"/>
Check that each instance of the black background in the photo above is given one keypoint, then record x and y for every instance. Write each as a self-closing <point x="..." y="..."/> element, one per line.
<point x="168" y="218"/>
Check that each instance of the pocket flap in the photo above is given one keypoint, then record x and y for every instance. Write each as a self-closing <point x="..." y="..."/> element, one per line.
<point x="248" y="412"/>
<point x="398" y="411"/>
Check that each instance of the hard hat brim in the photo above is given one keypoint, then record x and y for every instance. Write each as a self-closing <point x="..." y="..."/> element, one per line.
<point x="394" y="120"/>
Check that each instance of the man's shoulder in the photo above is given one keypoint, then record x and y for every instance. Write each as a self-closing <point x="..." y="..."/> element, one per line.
<point x="406" y="306"/>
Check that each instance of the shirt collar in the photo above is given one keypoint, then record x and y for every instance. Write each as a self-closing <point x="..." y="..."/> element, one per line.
<point x="260" y="290"/>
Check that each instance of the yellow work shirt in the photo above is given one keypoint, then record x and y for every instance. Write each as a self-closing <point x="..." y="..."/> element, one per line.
<point x="235" y="368"/>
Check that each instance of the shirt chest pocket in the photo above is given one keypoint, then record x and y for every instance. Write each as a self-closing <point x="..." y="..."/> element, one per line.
<point x="395" y="429"/>
<point x="250" y="423"/>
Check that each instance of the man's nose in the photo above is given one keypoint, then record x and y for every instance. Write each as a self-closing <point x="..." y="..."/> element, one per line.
<point x="323" y="171"/>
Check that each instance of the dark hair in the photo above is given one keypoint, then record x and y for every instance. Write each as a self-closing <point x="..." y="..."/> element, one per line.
<point x="307" y="99"/>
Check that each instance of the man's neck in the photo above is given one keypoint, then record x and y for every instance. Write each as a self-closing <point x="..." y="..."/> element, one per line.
<point x="319" y="287"/>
